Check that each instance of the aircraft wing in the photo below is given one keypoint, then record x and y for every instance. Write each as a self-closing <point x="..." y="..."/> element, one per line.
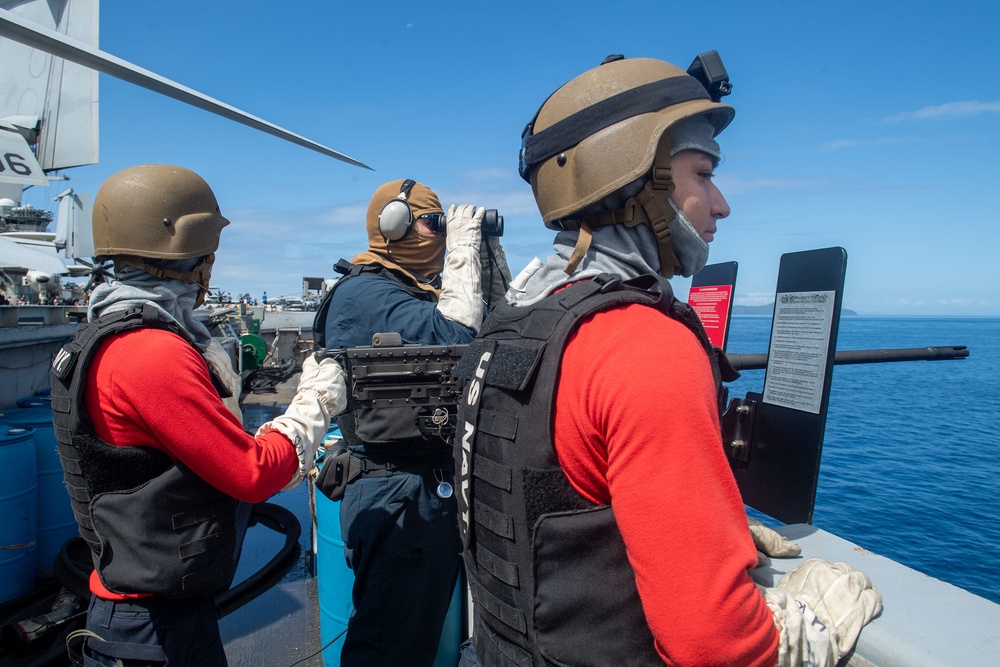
<point x="17" y="256"/>
<point x="15" y="28"/>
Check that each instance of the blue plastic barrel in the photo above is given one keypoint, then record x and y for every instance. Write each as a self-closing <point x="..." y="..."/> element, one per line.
<point x="56" y="523"/>
<point x="18" y="509"/>
<point x="335" y="581"/>
<point x="35" y="401"/>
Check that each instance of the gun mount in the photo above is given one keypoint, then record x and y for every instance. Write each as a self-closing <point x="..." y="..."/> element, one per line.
<point x="389" y="374"/>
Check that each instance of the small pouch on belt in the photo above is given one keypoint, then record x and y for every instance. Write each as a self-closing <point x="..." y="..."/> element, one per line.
<point x="339" y="469"/>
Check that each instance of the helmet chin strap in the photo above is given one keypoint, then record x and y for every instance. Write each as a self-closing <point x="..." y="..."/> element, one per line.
<point x="651" y="206"/>
<point x="654" y="200"/>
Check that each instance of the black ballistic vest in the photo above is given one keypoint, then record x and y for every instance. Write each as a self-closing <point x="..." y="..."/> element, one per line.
<point x="386" y="432"/>
<point x="551" y="581"/>
<point x="152" y="525"/>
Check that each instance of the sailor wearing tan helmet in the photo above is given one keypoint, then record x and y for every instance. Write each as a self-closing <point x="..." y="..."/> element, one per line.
<point x="145" y="407"/>
<point x="600" y="520"/>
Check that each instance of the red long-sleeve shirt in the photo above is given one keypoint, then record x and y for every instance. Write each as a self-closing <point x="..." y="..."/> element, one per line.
<point x="637" y="427"/>
<point x="149" y="387"/>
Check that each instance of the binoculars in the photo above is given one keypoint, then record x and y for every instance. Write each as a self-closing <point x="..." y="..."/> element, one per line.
<point x="492" y="223"/>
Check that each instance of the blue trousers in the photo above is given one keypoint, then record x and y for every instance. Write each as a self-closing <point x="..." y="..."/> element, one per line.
<point x="153" y="632"/>
<point x="467" y="655"/>
<point x="402" y="542"/>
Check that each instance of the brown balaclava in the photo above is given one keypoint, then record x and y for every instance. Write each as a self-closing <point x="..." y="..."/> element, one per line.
<point x="420" y="256"/>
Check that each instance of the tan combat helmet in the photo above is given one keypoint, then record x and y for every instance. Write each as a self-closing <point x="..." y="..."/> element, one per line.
<point x="608" y="128"/>
<point x="158" y="211"/>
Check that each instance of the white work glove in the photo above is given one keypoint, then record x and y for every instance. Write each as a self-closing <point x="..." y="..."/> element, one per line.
<point x="219" y="362"/>
<point x="770" y="543"/>
<point x="819" y="609"/>
<point x="496" y="274"/>
<point x="461" y="297"/>
<point x="321" y="394"/>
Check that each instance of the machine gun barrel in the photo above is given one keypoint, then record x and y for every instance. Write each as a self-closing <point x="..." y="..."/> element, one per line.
<point x="751" y="362"/>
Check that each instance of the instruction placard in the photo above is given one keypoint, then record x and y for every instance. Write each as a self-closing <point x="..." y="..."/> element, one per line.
<point x="800" y="341"/>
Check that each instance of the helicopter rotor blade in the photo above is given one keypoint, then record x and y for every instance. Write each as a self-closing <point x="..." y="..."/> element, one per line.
<point x="15" y="28"/>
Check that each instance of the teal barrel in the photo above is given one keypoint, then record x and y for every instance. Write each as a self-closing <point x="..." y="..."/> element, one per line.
<point x="451" y="632"/>
<point x="335" y="581"/>
<point x="334" y="578"/>
<point x="56" y="523"/>
<point x="18" y="507"/>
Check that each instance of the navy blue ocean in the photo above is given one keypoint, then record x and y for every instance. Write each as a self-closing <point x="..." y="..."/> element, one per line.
<point x="911" y="457"/>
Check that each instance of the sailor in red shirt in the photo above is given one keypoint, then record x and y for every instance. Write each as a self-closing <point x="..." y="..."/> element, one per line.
<point x="639" y="552"/>
<point x="146" y="413"/>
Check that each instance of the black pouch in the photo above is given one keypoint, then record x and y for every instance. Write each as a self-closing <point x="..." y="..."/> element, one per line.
<point x="339" y="469"/>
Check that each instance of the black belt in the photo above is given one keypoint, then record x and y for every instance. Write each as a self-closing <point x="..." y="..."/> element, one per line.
<point x="372" y="468"/>
<point x="341" y="468"/>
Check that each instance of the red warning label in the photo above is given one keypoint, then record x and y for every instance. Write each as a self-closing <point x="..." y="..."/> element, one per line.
<point x="711" y="302"/>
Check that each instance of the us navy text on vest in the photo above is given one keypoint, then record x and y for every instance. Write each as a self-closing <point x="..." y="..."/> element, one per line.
<point x="468" y="430"/>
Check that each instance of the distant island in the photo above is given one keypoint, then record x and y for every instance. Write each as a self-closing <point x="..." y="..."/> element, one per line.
<point x="767" y="309"/>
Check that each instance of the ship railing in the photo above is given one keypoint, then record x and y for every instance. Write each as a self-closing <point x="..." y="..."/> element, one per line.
<point x="13" y="316"/>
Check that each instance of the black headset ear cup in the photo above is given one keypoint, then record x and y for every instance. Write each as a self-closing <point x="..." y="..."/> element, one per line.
<point x="395" y="219"/>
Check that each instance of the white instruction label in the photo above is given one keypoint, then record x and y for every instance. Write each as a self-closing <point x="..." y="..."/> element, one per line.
<point x="800" y="338"/>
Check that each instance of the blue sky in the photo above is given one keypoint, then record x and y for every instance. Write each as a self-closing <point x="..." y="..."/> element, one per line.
<point x="870" y="125"/>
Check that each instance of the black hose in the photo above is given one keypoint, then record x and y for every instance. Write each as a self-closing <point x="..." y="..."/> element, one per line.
<point x="73" y="566"/>
<point x="280" y="520"/>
